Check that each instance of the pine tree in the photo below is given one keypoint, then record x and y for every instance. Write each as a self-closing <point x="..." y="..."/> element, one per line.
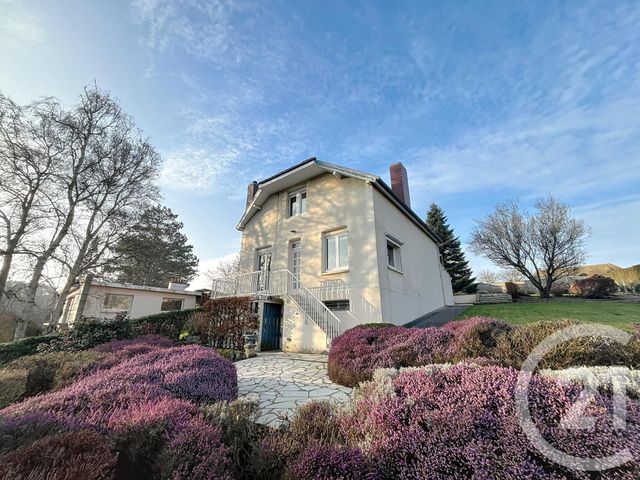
<point x="451" y="251"/>
<point x="154" y="251"/>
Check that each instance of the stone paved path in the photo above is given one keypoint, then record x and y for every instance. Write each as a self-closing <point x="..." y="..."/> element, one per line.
<point x="282" y="381"/>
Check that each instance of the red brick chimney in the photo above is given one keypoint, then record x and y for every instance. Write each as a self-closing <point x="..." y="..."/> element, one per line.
<point x="252" y="189"/>
<point x="400" y="182"/>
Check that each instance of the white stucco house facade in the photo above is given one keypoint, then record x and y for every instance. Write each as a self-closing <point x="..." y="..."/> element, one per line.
<point x="96" y="298"/>
<point x="325" y="248"/>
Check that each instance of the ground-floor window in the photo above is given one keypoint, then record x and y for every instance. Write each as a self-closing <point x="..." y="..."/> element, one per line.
<point x="117" y="303"/>
<point x="337" y="305"/>
<point x="169" y="304"/>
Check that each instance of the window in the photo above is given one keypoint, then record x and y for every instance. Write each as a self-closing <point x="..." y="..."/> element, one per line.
<point x="297" y="202"/>
<point x="336" y="249"/>
<point x="117" y="303"/>
<point x="394" y="260"/>
<point x="337" y="305"/>
<point x="169" y="304"/>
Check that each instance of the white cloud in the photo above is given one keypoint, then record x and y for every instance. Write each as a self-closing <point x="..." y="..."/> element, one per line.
<point x="19" y="28"/>
<point x="196" y="170"/>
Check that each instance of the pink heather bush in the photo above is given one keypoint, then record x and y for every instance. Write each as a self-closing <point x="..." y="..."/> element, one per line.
<point x="475" y="337"/>
<point x="355" y="354"/>
<point x="120" y="350"/>
<point x="64" y="456"/>
<point x="461" y="422"/>
<point x="324" y="462"/>
<point x="140" y="393"/>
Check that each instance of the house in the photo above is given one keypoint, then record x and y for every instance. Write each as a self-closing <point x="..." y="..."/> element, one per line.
<point x="96" y="298"/>
<point x="325" y="248"/>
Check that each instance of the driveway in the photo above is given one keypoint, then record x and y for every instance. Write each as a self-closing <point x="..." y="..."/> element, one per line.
<point x="438" y="317"/>
<point x="283" y="381"/>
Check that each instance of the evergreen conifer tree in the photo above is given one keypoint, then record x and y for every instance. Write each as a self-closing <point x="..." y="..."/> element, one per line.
<point x="154" y="251"/>
<point x="453" y="257"/>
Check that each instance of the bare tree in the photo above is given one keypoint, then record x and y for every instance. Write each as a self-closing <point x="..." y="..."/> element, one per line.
<point x="544" y="247"/>
<point x="90" y="134"/>
<point x="127" y="189"/>
<point x="511" y="275"/>
<point x="224" y="269"/>
<point x="30" y="155"/>
<point x="488" y="276"/>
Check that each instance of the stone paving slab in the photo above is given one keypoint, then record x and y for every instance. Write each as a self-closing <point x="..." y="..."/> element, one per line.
<point x="282" y="381"/>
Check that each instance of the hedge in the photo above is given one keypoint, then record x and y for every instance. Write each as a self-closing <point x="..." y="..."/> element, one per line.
<point x="27" y="346"/>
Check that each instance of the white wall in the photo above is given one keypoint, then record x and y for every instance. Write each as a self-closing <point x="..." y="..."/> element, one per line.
<point x="144" y="302"/>
<point x="332" y="202"/>
<point x="419" y="288"/>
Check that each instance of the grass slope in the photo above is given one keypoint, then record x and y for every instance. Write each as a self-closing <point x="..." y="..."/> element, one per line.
<point x="616" y="314"/>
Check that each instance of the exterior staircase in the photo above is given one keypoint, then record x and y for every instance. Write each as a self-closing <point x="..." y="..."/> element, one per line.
<point x="282" y="284"/>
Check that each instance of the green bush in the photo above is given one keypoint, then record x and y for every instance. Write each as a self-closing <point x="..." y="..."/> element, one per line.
<point x="91" y="332"/>
<point x="26" y="346"/>
<point x="34" y="374"/>
<point x="513" y="349"/>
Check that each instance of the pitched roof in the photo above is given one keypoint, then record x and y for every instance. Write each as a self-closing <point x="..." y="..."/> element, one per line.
<point x="313" y="167"/>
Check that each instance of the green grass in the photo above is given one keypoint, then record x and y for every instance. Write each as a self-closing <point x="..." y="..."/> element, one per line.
<point x="616" y="314"/>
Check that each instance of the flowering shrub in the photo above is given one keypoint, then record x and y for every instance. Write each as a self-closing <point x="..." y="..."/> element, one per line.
<point x="475" y="337"/>
<point x="119" y="350"/>
<point x="324" y="462"/>
<point x="461" y="421"/>
<point x="355" y="354"/>
<point x="61" y="457"/>
<point x="146" y="392"/>
<point x="513" y="349"/>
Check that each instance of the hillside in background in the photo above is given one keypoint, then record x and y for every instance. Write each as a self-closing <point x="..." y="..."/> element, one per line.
<point x="622" y="276"/>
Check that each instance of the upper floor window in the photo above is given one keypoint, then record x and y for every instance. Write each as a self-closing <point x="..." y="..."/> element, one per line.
<point x="117" y="303"/>
<point x="297" y="202"/>
<point x="394" y="259"/>
<point x="169" y="304"/>
<point x="336" y="251"/>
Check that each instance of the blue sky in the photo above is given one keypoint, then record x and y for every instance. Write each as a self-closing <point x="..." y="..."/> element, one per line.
<point x="482" y="101"/>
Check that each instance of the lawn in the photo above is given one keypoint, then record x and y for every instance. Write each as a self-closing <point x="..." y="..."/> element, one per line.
<point x="616" y="314"/>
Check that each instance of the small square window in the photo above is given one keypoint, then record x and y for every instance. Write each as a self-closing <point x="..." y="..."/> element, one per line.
<point x="394" y="259"/>
<point x="169" y="304"/>
<point x="297" y="202"/>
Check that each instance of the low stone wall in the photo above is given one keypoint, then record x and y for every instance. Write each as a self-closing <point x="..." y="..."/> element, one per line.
<point x="464" y="299"/>
<point x="484" y="298"/>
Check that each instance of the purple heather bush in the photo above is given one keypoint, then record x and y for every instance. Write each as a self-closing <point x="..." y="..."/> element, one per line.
<point x="120" y="350"/>
<point x="461" y="422"/>
<point x="475" y="337"/>
<point x="358" y="352"/>
<point x="329" y="462"/>
<point x="154" y="389"/>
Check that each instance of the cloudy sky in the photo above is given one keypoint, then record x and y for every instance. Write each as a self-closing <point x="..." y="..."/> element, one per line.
<point x="482" y="101"/>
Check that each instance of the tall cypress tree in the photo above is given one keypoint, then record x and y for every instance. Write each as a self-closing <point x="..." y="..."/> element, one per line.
<point x="154" y="251"/>
<point x="451" y="251"/>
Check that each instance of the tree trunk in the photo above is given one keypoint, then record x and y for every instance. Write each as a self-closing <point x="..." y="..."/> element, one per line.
<point x="4" y="272"/>
<point x="59" y="306"/>
<point x="21" y="329"/>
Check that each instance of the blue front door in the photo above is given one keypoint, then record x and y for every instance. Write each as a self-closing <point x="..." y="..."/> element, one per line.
<point x="271" y="326"/>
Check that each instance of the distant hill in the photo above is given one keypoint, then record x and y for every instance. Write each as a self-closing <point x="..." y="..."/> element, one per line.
<point x="623" y="276"/>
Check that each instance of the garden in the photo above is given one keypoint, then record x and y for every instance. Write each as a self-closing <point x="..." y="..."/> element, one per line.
<point x="136" y="399"/>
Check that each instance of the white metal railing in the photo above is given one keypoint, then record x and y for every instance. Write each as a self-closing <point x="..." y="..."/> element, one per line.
<point x="361" y="309"/>
<point x="279" y="283"/>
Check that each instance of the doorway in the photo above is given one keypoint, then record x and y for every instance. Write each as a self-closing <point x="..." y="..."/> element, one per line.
<point x="271" y="336"/>
<point x="264" y="267"/>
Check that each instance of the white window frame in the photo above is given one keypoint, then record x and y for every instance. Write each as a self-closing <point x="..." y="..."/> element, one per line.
<point x="397" y="253"/>
<point x="172" y="299"/>
<point x="297" y="194"/>
<point x="104" y="301"/>
<point x="336" y="234"/>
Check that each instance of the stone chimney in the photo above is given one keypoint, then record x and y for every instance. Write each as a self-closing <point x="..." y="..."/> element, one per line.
<point x="252" y="189"/>
<point x="177" y="284"/>
<point x="400" y="182"/>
